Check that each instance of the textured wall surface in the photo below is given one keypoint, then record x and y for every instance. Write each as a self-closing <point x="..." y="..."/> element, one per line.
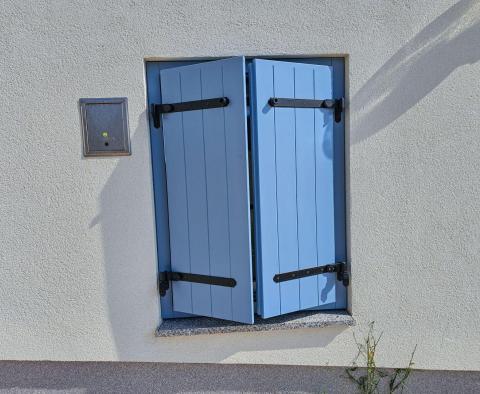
<point x="77" y="255"/>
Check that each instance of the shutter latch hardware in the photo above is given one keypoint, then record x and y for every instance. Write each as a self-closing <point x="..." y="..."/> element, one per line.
<point x="338" y="105"/>
<point x="165" y="277"/>
<point x="339" y="268"/>
<point x="158" y="109"/>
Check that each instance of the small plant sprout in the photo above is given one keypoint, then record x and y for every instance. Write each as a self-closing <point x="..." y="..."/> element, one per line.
<point x="367" y="376"/>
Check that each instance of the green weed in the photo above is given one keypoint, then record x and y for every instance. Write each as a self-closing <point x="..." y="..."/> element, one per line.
<point x="367" y="376"/>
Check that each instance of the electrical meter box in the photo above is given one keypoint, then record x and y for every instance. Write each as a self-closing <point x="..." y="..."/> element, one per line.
<point x="105" y="126"/>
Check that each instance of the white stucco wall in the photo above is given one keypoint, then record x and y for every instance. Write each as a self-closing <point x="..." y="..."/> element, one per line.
<point x="77" y="254"/>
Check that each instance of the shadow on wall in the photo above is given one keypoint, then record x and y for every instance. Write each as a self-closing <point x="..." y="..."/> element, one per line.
<point x="129" y="270"/>
<point x="127" y="246"/>
<point x="450" y="41"/>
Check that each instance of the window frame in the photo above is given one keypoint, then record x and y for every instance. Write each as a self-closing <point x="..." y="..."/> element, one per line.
<point x="152" y="69"/>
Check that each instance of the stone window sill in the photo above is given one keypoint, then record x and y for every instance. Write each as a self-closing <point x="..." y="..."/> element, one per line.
<point x="206" y="325"/>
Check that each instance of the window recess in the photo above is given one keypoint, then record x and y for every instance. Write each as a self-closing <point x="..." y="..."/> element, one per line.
<point x="255" y="187"/>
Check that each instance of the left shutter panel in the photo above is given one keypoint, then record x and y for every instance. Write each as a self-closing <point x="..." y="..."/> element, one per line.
<point x="206" y="161"/>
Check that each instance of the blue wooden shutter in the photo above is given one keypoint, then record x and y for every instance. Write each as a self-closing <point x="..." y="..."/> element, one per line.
<point x="299" y="212"/>
<point x="206" y="157"/>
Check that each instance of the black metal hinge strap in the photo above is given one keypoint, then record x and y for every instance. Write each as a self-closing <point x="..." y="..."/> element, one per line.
<point x="339" y="268"/>
<point x="164" y="279"/>
<point x="338" y="105"/>
<point x="158" y="109"/>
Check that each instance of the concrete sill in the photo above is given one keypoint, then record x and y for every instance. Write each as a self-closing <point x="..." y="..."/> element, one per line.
<point x="206" y="325"/>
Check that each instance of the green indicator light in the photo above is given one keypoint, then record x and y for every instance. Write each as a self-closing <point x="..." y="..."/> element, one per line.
<point x="104" y="134"/>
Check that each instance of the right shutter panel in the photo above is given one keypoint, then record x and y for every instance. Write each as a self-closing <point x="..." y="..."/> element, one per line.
<point x="295" y="198"/>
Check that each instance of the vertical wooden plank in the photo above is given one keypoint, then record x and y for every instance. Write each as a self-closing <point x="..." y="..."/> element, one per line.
<point x="193" y="130"/>
<point x="233" y="75"/>
<point x="217" y="193"/>
<point x="265" y="188"/>
<point x="173" y="135"/>
<point x="160" y="185"/>
<point x="285" y="153"/>
<point x="307" y="227"/>
<point x="324" y="184"/>
<point x="153" y="70"/>
<point x="339" y="180"/>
